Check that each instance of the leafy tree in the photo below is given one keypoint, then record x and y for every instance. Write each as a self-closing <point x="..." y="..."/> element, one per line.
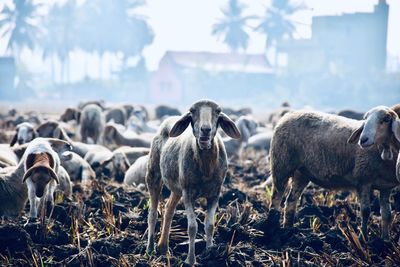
<point x="20" y="22"/>
<point x="277" y="23"/>
<point x="232" y="27"/>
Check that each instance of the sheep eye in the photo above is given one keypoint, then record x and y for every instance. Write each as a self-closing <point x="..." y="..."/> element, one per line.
<point x="387" y="118"/>
<point x="218" y="110"/>
<point x="191" y="110"/>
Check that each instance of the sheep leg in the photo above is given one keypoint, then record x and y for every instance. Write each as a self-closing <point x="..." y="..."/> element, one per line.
<point x="364" y="196"/>
<point x="212" y="204"/>
<point x="299" y="182"/>
<point x="163" y="244"/>
<point x="154" y="191"/>
<point x="385" y="213"/>
<point x="192" y="227"/>
<point x="276" y="198"/>
<point x="33" y="203"/>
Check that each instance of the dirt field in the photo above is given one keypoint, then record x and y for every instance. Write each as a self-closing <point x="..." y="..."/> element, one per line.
<point x="108" y="228"/>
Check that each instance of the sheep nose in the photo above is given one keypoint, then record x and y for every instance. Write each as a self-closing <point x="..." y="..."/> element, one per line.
<point x="363" y="140"/>
<point x="205" y="130"/>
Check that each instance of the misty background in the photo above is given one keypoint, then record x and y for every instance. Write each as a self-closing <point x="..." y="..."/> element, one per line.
<point x="329" y="55"/>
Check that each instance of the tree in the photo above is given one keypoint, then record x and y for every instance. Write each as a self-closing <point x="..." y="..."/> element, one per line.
<point x="232" y="26"/>
<point x="21" y="23"/>
<point x="60" y="37"/>
<point x="277" y="24"/>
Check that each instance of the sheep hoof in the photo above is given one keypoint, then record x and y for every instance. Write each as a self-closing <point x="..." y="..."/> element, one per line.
<point x="162" y="249"/>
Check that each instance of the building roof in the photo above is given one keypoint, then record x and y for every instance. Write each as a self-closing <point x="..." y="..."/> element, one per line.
<point x="220" y="62"/>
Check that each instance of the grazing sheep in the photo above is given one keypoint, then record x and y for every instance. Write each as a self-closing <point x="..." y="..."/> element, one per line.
<point x="7" y="156"/>
<point x="96" y="157"/>
<point x="64" y="185"/>
<point x="247" y="127"/>
<point x="99" y="103"/>
<point x="120" y="164"/>
<point x="136" y="173"/>
<point x="133" y="153"/>
<point x="41" y="166"/>
<point x="319" y="147"/>
<point x="162" y="111"/>
<point x="13" y="192"/>
<point x="275" y="116"/>
<point x="78" y="169"/>
<point x="25" y="132"/>
<point x="92" y="123"/>
<point x="53" y="129"/>
<point x="116" y="114"/>
<point x="260" y="141"/>
<point x="71" y="114"/>
<point x="113" y="136"/>
<point x="351" y="114"/>
<point x="191" y="165"/>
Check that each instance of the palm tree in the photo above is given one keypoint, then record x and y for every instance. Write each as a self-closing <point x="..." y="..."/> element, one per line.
<point x="232" y="26"/>
<point x="277" y="24"/>
<point x="20" y="23"/>
<point x="60" y="37"/>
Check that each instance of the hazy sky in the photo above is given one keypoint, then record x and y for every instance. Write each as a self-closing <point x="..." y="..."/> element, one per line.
<point x="187" y="24"/>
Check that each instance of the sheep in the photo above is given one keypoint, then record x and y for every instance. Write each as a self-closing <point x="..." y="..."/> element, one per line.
<point x="99" y="103"/>
<point x="136" y="173"/>
<point x="71" y="114"/>
<point x="96" y="156"/>
<point x="41" y="166"/>
<point x="113" y="135"/>
<point x="319" y="147"/>
<point x="275" y="116"/>
<point x="133" y="153"/>
<point x="78" y="169"/>
<point x="120" y="164"/>
<point x="351" y="114"/>
<point x="260" y="141"/>
<point x="25" y="132"/>
<point x="92" y="123"/>
<point x="13" y="189"/>
<point x="163" y="111"/>
<point x="53" y="129"/>
<point x="247" y="127"/>
<point x="13" y="192"/>
<point x="7" y="156"/>
<point x="116" y="114"/>
<point x="191" y="165"/>
<point x="64" y="185"/>
<point x="140" y="125"/>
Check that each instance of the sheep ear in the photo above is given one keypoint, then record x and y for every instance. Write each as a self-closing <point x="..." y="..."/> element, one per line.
<point x="181" y="125"/>
<point x="51" y="173"/>
<point x="66" y="156"/>
<point x="353" y="139"/>
<point x="228" y="126"/>
<point x="396" y="129"/>
<point x="105" y="162"/>
<point x="14" y="140"/>
<point x="59" y="145"/>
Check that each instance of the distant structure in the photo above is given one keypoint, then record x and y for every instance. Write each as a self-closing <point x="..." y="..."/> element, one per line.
<point x="7" y="77"/>
<point x="185" y="76"/>
<point x="356" y="41"/>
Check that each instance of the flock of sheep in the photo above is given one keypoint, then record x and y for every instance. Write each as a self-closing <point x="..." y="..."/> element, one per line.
<point x="42" y="156"/>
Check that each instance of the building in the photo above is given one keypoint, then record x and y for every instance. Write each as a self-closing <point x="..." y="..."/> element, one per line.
<point x="354" y="41"/>
<point x="185" y="76"/>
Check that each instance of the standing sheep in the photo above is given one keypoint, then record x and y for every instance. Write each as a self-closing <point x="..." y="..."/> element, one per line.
<point x="192" y="163"/>
<point x="318" y="147"/>
<point x="92" y="123"/>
